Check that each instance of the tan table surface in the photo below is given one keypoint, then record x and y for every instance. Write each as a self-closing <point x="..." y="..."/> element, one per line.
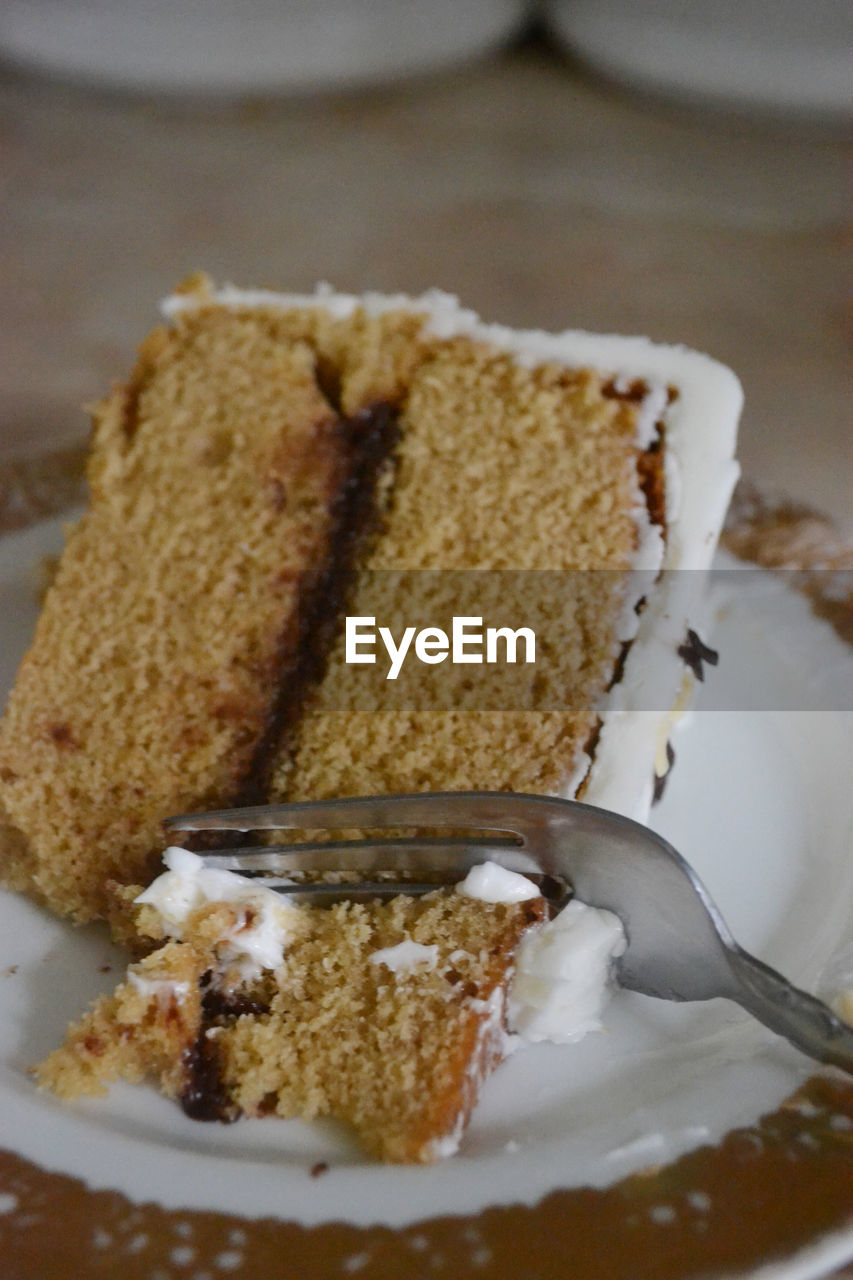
<point x="540" y="196"/>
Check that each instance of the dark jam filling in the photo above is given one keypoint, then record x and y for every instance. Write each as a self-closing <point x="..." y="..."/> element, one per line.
<point x="205" y="1095"/>
<point x="652" y="479"/>
<point x="220" y="1004"/>
<point x="369" y="438"/>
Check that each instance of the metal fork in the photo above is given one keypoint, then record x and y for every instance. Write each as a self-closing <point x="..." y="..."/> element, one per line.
<point x="679" y="947"/>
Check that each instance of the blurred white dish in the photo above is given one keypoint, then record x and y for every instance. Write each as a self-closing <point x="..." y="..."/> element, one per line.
<point x="782" y="55"/>
<point x="236" y="45"/>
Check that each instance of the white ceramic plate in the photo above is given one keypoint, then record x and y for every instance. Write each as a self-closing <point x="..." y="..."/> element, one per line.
<point x="771" y="55"/>
<point x="258" y="46"/>
<point x="759" y="802"/>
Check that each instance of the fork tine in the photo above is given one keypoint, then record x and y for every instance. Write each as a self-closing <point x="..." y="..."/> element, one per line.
<point x="471" y="809"/>
<point x="455" y="855"/>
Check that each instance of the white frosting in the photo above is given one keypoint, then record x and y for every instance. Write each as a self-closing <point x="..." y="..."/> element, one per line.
<point x="563" y="975"/>
<point x="161" y="988"/>
<point x="442" y="1148"/>
<point x="563" y="968"/>
<point x="700" y="473"/>
<point x="406" y="955"/>
<point x="492" y="883"/>
<point x="258" y="939"/>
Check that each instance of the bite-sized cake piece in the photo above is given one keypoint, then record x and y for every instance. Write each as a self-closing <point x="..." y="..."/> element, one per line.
<point x="277" y="461"/>
<point x="386" y="1015"/>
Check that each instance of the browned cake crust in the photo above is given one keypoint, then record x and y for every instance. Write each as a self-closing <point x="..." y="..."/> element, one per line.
<point x="399" y="1056"/>
<point x="254" y="459"/>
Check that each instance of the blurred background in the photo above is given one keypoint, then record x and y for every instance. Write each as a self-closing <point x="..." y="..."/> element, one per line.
<point x="674" y="169"/>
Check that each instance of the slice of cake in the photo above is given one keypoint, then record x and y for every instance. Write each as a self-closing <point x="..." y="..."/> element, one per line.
<point x="276" y="463"/>
<point x="285" y="485"/>
<point x="385" y="1015"/>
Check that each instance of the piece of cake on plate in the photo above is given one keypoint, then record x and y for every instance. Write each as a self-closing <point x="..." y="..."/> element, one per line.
<point x="385" y="1015"/>
<point x="277" y="463"/>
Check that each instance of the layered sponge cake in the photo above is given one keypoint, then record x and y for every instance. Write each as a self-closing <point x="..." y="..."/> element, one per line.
<point x="385" y="1015"/>
<point x="275" y="466"/>
<point x="270" y="465"/>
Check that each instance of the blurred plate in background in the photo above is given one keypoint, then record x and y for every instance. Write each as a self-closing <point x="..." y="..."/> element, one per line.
<point x="781" y="55"/>
<point x="238" y="45"/>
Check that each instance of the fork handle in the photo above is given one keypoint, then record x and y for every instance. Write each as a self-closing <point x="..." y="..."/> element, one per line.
<point x="804" y="1020"/>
